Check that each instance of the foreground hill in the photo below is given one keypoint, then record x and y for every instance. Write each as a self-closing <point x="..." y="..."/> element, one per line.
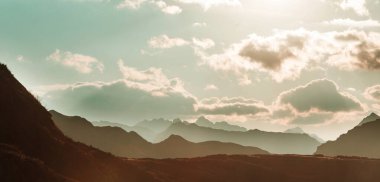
<point x="362" y="140"/>
<point x="266" y="168"/>
<point x="32" y="149"/>
<point x="130" y="144"/>
<point x="27" y="126"/>
<point x="278" y="143"/>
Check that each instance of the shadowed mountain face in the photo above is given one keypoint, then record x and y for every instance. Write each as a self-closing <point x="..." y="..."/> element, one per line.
<point x="202" y="121"/>
<point x="362" y="141"/>
<point x="129" y="144"/>
<point x="33" y="149"/>
<point x="279" y="143"/>
<point x="27" y="126"/>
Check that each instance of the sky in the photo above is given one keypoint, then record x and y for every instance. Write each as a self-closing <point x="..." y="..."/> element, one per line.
<point x="262" y="64"/>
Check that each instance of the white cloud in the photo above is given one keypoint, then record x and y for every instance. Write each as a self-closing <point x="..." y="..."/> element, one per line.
<point x="211" y="87"/>
<point x="231" y="106"/>
<point x="81" y="63"/>
<point x="165" y="42"/>
<point x="206" y="4"/>
<point x="358" y="6"/>
<point x="152" y="80"/>
<point x="203" y="43"/>
<point x="373" y="93"/>
<point x="20" y="58"/>
<point x="353" y="23"/>
<point x="286" y="54"/>
<point x="132" y="4"/>
<point x="199" y="24"/>
<point x="168" y="9"/>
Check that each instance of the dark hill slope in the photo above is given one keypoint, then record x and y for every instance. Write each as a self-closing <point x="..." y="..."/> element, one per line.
<point x="362" y="140"/>
<point x="27" y="125"/>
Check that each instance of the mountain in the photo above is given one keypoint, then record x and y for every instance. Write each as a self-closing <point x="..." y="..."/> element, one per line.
<point x="146" y="133"/>
<point x="300" y="131"/>
<point x="370" y="118"/>
<point x="35" y="144"/>
<point x="155" y="125"/>
<point x="294" y="130"/>
<point x="129" y="144"/>
<point x="278" y="143"/>
<point x="204" y="122"/>
<point x="362" y="140"/>
<point x="32" y="149"/>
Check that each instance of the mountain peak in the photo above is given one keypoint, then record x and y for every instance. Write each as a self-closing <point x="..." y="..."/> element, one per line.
<point x="294" y="130"/>
<point x="203" y="119"/>
<point x="372" y="117"/>
<point x="175" y="139"/>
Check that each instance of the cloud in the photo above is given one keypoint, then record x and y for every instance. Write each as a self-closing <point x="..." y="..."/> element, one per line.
<point x="165" y="42"/>
<point x="132" y="4"/>
<point x="319" y="96"/>
<point x="311" y="119"/>
<point x="168" y="9"/>
<point x="81" y="63"/>
<point x="173" y="9"/>
<point x="373" y="93"/>
<point x="203" y="43"/>
<point x="358" y="50"/>
<point x="285" y="54"/>
<point x="206" y="4"/>
<point x="358" y="6"/>
<point x="211" y="87"/>
<point x="282" y="55"/>
<point x="353" y="23"/>
<point x="139" y="95"/>
<point x="199" y="24"/>
<point x="230" y="106"/>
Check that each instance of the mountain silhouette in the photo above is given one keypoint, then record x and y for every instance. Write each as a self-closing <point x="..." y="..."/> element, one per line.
<point x="33" y="149"/>
<point x="300" y="131"/>
<point x="146" y="133"/>
<point x="27" y="126"/>
<point x="129" y="144"/>
<point x="369" y="118"/>
<point x="294" y="130"/>
<point x="203" y="121"/>
<point x="362" y="141"/>
<point x="278" y="143"/>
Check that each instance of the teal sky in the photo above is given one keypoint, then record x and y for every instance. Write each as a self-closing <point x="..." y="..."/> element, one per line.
<point x="266" y="64"/>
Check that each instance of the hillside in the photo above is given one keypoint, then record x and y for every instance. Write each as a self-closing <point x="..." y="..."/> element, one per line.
<point x="362" y="140"/>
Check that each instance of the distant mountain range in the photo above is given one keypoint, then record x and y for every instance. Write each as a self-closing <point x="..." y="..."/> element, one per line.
<point x="130" y="144"/>
<point x="144" y="132"/>
<point x="278" y="143"/>
<point x="204" y="130"/>
<point x="300" y="131"/>
<point x="362" y="141"/>
<point x="204" y="122"/>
